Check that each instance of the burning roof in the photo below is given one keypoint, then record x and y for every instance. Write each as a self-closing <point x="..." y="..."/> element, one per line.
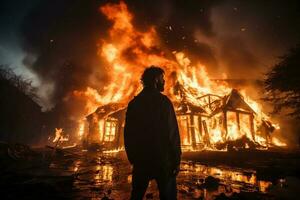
<point x="233" y="101"/>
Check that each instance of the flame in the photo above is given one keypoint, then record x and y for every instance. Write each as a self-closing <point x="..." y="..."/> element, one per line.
<point x="127" y="51"/>
<point x="81" y="129"/>
<point x="59" y="136"/>
<point x="114" y="150"/>
<point x="277" y="142"/>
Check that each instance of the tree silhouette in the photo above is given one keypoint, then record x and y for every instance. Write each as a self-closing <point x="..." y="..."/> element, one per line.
<point x="8" y="76"/>
<point x="282" y="83"/>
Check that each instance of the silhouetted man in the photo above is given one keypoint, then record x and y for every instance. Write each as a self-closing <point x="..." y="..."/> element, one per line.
<point x="152" y="140"/>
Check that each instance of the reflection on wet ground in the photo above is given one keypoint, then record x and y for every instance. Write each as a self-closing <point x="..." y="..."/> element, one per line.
<point x="192" y="178"/>
<point x="108" y="175"/>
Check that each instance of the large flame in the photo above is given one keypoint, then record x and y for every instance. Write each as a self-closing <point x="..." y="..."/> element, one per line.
<point x="127" y="51"/>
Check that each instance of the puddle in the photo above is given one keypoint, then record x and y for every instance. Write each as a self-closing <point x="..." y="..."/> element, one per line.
<point x="98" y="175"/>
<point x="192" y="178"/>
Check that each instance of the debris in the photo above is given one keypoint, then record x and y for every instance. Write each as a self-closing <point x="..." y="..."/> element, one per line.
<point x="211" y="183"/>
<point x="94" y="147"/>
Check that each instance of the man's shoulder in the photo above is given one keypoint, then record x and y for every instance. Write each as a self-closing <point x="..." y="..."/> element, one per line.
<point x="141" y="98"/>
<point x="132" y="101"/>
<point x="165" y="98"/>
<point x="135" y="100"/>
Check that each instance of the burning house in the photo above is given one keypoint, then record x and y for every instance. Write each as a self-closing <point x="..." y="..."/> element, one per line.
<point x="211" y="115"/>
<point x="210" y="125"/>
<point x="106" y="125"/>
<point x="222" y="119"/>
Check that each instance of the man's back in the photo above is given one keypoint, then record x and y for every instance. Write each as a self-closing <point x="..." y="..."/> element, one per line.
<point x="151" y="132"/>
<point x="151" y="136"/>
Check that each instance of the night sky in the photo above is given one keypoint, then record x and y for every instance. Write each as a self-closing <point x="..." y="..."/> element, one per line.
<point x="240" y="38"/>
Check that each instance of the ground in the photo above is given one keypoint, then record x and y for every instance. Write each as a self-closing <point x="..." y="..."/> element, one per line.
<point x="81" y="174"/>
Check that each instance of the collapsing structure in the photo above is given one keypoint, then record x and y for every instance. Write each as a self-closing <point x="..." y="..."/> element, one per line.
<point x="214" y="123"/>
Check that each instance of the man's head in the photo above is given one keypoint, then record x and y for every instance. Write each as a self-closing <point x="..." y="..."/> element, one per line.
<point x="153" y="77"/>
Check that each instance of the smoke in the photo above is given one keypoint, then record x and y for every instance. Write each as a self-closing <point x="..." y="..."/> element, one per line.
<point x="60" y="38"/>
<point x="229" y="37"/>
<point x="251" y="35"/>
<point x="176" y="22"/>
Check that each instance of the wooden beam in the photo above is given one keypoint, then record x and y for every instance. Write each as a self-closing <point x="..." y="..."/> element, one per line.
<point x="209" y="102"/>
<point x="192" y="128"/>
<point x="187" y="129"/>
<point x="225" y="129"/>
<point x="251" y="121"/>
<point x="200" y="125"/>
<point x="239" y="111"/>
<point x="118" y="134"/>
<point x="206" y="134"/>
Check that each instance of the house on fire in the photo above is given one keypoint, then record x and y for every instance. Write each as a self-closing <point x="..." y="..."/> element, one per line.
<point x="214" y="119"/>
<point x="106" y="126"/>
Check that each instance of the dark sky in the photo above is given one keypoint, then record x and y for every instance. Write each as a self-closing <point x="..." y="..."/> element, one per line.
<point x="12" y="14"/>
<point x="240" y="38"/>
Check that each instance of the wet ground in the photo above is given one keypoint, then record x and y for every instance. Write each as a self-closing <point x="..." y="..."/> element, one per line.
<point x="79" y="174"/>
<point x="100" y="175"/>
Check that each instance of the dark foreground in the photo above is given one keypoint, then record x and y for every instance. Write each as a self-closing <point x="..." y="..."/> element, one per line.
<point x="79" y="174"/>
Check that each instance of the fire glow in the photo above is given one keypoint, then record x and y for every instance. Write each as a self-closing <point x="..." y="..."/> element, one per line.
<point x="209" y="113"/>
<point x="59" y="137"/>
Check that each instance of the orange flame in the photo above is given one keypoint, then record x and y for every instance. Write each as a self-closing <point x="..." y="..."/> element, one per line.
<point x="59" y="136"/>
<point x="128" y="51"/>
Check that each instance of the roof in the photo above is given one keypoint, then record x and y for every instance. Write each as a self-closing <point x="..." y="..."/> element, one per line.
<point x="234" y="101"/>
<point x="185" y="107"/>
<point x="106" y="110"/>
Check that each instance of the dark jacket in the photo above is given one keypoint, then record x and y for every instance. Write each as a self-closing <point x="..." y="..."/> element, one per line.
<point x="151" y="131"/>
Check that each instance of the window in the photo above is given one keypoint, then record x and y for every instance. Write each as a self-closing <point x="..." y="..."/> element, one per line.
<point x="110" y="129"/>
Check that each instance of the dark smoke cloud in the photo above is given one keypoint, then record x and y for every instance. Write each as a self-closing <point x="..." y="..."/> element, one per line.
<point x="63" y="36"/>
<point x="239" y="38"/>
<point x="238" y="60"/>
<point x="176" y="22"/>
<point x="250" y="35"/>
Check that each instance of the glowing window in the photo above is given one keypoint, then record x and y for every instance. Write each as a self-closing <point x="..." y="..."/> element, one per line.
<point x="110" y="130"/>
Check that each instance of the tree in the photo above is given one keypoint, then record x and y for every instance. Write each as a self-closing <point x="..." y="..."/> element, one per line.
<point x="8" y="77"/>
<point x="21" y="118"/>
<point x="282" y="83"/>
